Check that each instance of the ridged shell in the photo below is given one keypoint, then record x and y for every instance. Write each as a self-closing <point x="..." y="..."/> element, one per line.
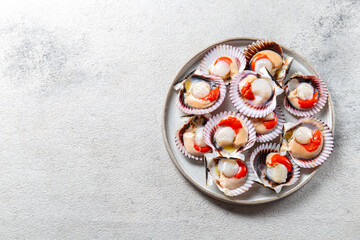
<point x="178" y="136"/>
<point x="244" y="106"/>
<point x="211" y="127"/>
<point x="210" y="165"/>
<point x="281" y="74"/>
<point x="276" y="132"/>
<point x="262" y="45"/>
<point x="258" y="164"/>
<point x="322" y="91"/>
<point x="327" y="146"/>
<point x="220" y="51"/>
<point x="258" y="46"/>
<point x="190" y="110"/>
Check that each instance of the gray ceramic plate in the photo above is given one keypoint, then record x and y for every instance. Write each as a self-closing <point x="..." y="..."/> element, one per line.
<point x="194" y="171"/>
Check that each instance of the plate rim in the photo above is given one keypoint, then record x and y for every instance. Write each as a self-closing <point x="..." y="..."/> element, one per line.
<point x="204" y="190"/>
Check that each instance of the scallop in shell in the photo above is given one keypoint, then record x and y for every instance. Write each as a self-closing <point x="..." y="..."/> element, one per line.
<point x="270" y="126"/>
<point x="309" y="142"/>
<point x="231" y="175"/>
<point x="305" y="95"/>
<point x="229" y="133"/>
<point x="200" y="93"/>
<point x="272" y="169"/>
<point x="268" y="54"/>
<point x="224" y="61"/>
<point x="254" y="95"/>
<point x="190" y="138"/>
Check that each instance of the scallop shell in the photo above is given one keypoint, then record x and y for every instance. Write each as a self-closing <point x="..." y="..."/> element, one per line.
<point x="258" y="164"/>
<point x="212" y="176"/>
<point x="220" y="51"/>
<point x="284" y="70"/>
<point x="261" y="45"/>
<point x="276" y="132"/>
<point x="327" y="146"/>
<point x="244" y="106"/>
<point x="179" y="141"/>
<point x="190" y="110"/>
<point x="322" y="91"/>
<point x="211" y="127"/>
<point x="258" y="46"/>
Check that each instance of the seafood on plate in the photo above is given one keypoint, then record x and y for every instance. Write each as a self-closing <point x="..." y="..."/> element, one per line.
<point x="200" y="93"/>
<point x="254" y="95"/>
<point x="270" y="126"/>
<point x="231" y="175"/>
<point x="229" y="133"/>
<point x="309" y="142"/>
<point x="224" y="61"/>
<point x="268" y="54"/>
<point x="272" y="169"/>
<point x="190" y="138"/>
<point x="305" y="95"/>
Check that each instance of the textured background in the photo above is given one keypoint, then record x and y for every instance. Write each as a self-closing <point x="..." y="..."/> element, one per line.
<point x="83" y="87"/>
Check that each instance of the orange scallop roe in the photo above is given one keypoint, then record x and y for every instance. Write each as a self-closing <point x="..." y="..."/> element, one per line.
<point x="212" y="96"/>
<point x="257" y="57"/>
<point x="315" y="142"/>
<point x="246" y="91"/>
<point x="201" y="149"/>
<point x="310" y="102"/>
<point x="277" y="158"/>
<point x="232" y="122"/>
<point x="242" y="170"/>
<point x="271" y="123"/>
<point x="225" y="59"/>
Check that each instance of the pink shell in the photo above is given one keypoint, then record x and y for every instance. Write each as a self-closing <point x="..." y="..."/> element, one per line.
<point x="323" y="95"/>
<point x="180" y="145"/>
<point x="220" y="51"/>
<point x="266" y="149"/>
<point x="234" y="192"/>
<point x="211" y="127"/>
<point x="276" y="132"/>
<point x="190" y="110"/>
<point x="327" y="147"/>
<point x="246" y="108"/>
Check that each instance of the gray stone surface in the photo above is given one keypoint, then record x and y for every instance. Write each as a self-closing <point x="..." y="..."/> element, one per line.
<point x="83" y="87"/>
